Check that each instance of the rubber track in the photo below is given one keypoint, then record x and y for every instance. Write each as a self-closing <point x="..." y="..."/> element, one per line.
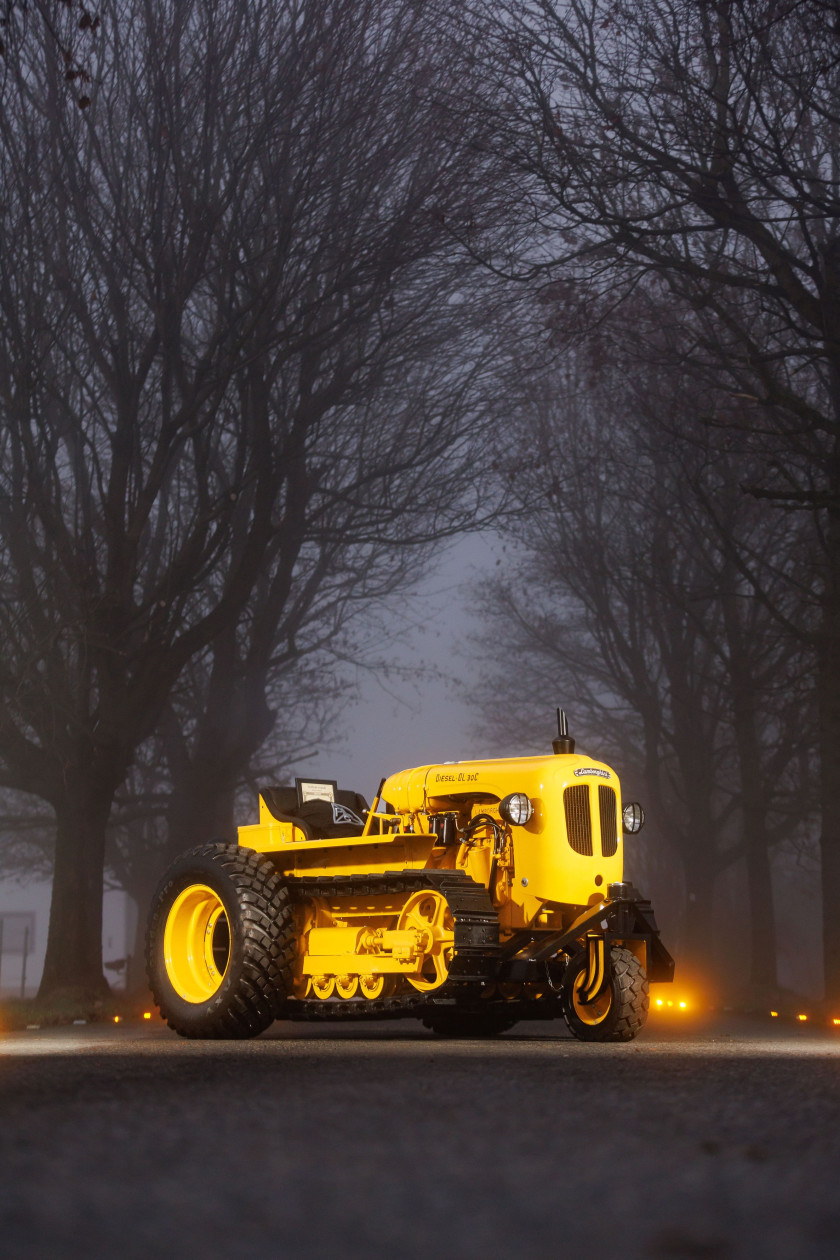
<point x="476" y="941"/>
<point x="268" y="946"/>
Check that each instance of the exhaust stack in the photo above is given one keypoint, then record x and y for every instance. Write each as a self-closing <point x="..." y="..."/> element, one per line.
<point x="563" y="743"/>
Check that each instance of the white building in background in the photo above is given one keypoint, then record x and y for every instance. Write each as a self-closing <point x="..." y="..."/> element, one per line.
<point x="24" y="921"/>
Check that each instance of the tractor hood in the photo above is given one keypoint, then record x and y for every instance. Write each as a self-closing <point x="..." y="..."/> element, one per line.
<point x="453" y="785"/>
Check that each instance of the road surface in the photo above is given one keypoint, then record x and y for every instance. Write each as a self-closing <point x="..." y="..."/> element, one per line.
<point x="384" y="1141"/>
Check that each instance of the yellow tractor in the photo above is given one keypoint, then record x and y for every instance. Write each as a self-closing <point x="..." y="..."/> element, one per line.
<point x="470" y="895"/>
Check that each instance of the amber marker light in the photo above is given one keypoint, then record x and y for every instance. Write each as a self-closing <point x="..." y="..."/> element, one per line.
<point x="116" y="1019"/>
<point x="802" y="1018"/>
<point x="670" y="1004"/>
<point x="835" y="1022"/>
<point x="775" y="1014"/>
<point x="147" y="1014"/>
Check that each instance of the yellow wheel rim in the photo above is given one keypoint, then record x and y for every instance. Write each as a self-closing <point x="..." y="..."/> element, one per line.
<point x="429" y="914"/>
<point x="323" y="986"/>
<point x="596" y="1011"/>
<point x="372" y="986"/>
<point x="196" y="943"/>
<point x="346" y="986"/>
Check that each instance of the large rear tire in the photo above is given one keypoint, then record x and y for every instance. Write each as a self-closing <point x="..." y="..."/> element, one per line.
<point x="220" y="943"/>
<point x="619" y="1011"/>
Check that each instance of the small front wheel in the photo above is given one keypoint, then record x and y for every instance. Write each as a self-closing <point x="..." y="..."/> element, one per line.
<point x="220" y="943"/>
<point x="618" y="1012"/>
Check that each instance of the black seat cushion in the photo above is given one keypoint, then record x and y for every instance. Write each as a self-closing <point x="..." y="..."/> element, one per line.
<point x="326" y="819"/>
<point x="318" y="820"/>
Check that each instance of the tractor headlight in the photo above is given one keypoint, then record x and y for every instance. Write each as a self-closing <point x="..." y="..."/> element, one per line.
<point x="516" y="809"/>
<point x="634" y="817"/>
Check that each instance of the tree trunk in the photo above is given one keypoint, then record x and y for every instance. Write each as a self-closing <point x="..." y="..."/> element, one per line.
<point x="141" y="892"/>
<point x="763" y="972"/>
<point x="73" y="963"/>
<point x="829" y="719"/>
<point x="700" y="877"/>
<point x="754" y="791"/>
<point x="233" y="724"/>
<point x="201" y="811"/>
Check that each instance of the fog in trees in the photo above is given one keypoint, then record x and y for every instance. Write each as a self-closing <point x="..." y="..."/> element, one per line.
<point x="694" y="148"/>
<point x="627" y="606"/>
<point x="297" y="292"/>
<point x="236" y="393"/>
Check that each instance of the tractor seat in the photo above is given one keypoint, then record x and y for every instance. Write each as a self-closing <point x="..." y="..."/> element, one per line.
<point x="318" y="820"/>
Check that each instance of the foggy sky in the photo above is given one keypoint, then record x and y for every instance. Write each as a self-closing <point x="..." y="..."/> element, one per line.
<point x="397" y="724"/>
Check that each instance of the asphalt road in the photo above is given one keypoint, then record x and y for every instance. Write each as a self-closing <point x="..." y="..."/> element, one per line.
<point x="384" y="1141"/>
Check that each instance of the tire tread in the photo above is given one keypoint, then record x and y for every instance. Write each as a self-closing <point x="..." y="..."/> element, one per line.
<point x="631" y="982"/>
<point x="267" y="944"/>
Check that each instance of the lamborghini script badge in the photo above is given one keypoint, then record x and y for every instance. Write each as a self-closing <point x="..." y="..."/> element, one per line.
<point x="590" y="770"/>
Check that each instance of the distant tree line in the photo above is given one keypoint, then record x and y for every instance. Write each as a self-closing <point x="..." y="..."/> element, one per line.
<point x="677" y="167"/>
<point x="622" y="597"/>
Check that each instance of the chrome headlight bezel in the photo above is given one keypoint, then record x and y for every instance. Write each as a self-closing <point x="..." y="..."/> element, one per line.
<point x="632" y="818"/>
<point x="517" y="809"/>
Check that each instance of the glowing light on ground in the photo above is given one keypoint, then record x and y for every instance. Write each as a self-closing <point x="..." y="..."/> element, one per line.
<point x="673" y="1004"/>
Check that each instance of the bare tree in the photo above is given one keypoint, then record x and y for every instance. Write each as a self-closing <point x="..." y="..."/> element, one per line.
<point x="699" y="144"/>
<point x="629" y="603"/>
<point x="151" y="822"/>
<point x="72" y="29"/>
<point x="229" y="275"/>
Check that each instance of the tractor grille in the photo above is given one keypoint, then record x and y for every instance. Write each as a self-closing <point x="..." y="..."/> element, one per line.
<point x="609" y="822"/>
<point x="578" y="820"/>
